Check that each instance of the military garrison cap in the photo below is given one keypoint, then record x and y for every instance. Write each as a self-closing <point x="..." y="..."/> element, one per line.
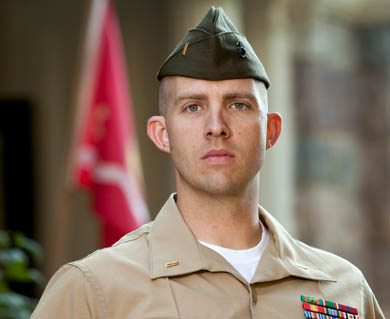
<point x="214" y="50"/>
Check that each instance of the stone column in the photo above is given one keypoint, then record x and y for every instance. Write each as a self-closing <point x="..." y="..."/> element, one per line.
<point x="269" y="30"/>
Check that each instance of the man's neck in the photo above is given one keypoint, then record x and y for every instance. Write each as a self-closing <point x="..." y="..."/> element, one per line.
<point x="228" y="221"/>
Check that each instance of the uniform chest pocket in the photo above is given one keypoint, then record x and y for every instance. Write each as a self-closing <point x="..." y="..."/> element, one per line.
<point x="210" y="295"/>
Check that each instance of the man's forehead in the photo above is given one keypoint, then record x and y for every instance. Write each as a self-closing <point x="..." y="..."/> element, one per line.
<point x="177" y="85"/>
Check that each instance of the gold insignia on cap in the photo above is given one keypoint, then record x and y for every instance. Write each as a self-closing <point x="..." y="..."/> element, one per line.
<point x="172" y="264"/>
<point x="185" y="48"/>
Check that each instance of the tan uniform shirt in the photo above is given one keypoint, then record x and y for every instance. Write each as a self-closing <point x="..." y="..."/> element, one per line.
<point x="161" y="271"/>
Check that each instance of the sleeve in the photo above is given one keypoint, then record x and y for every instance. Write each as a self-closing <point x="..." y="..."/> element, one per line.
<point x="372" y="309"/>
<point x="68" y="294"/>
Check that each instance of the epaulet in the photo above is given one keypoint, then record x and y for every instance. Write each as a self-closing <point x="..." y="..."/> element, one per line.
<point x="321" y="258"/>
<point x="126" y="238"/>
<point x="144" y="229"/>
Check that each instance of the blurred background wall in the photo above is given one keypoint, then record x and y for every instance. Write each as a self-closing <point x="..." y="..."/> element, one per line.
<point x="327" y="179"/>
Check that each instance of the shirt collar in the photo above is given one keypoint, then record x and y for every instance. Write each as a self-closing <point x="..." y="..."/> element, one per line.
<point x="284" y="257"/>
<point x="174" y="251"/>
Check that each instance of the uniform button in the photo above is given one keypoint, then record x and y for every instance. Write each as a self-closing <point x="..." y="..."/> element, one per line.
<point x="254" y="298"/>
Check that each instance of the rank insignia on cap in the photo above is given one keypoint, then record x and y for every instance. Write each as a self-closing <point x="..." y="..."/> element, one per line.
<point x="241" y="49"/>
<point x="325" y="309"/>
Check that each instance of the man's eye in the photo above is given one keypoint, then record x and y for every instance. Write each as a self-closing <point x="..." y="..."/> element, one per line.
<point x="193" y="108"/>
<point x="239" y="106"/>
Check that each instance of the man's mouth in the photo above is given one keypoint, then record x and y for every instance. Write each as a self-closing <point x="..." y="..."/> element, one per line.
<point x="220" y="156"/>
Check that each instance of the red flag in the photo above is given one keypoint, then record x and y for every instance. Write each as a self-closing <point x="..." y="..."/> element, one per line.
<point x="106" y="157"/>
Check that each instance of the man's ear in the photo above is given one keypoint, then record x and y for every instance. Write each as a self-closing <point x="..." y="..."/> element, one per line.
<point x="158" y="133"/>
<point x="274" y="127"/>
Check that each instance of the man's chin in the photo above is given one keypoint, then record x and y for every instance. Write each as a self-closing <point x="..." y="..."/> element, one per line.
<point x="225" y="187"/>
<point x="216" y="183"/>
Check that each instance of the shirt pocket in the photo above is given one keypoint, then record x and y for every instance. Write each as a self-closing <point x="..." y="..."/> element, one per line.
<point x="210" y="295"/>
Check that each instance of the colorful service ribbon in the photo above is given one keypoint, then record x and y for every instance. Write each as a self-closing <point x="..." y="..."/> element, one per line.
<point x="325" y="309"/>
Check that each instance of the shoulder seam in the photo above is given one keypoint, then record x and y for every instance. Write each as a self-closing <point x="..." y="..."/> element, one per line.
<point x="89" y="276"/>
<point x="301" y="245"/>
<point x="134" y="235"/>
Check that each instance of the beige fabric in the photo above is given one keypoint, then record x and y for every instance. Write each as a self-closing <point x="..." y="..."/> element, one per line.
<point x="132" y="279"/>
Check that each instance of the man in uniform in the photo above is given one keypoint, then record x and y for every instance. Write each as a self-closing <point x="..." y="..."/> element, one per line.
<point x="211" y="252"/>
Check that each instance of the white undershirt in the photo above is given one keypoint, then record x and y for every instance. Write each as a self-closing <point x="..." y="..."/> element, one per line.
<point x="245" y="261"/>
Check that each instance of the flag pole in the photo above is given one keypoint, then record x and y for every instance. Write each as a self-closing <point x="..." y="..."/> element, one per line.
<point x="90" y="35"/>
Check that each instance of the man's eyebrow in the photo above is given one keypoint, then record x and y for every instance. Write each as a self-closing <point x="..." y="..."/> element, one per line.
<point x="190" y="96"/>
<point x="239" y="95"/>
<point x="227" y="96"/>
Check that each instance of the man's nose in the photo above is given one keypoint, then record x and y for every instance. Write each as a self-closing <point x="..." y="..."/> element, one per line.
<point x="216" y="124"/>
